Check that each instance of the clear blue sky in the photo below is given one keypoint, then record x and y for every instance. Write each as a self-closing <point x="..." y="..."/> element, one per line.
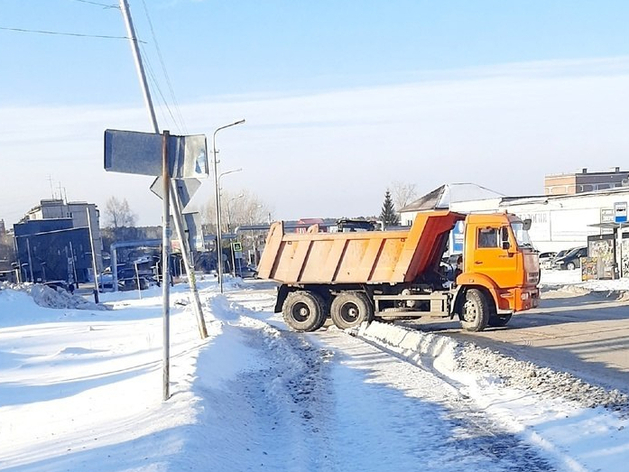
<point x="218" y="47"/>
<point x="225" y="52"/>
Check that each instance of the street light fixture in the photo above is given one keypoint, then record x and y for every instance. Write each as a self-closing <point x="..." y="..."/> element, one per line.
<point x="229" y="218"/>
<point x="225" y="173"/>
<point x="219" y="242"/>
<point x="220" y="191"/>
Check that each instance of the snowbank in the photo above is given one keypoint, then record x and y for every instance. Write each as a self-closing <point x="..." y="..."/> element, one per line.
<point x="50" y="298"/>
<point x="570" y="281"/>
<point x="457" y="360"/>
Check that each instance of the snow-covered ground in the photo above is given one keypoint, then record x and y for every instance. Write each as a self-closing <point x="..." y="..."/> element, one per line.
<point x="81" y="390"/>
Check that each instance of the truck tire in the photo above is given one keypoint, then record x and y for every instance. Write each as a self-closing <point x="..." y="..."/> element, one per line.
<point x="351" y="309"/>
<point x="475" y="311"/>
<point x="303" y="311"/>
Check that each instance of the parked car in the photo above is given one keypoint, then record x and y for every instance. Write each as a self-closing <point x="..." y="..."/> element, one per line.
<point x="246" y="271"/>
<point x="546" y="259"/>
<point x="572" y="259"/>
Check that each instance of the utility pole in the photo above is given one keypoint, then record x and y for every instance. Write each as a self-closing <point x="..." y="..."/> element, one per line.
<point x="124" y="7"/>
<point x="176" y="203"/>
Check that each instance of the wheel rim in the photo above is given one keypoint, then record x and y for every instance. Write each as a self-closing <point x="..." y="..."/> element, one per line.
<point x="350" y="312"/>
<point x="300" y="312"/>
<point x="470" y="311"/>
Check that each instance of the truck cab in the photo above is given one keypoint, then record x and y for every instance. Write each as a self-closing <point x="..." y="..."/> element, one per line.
<point x="500" y="258"/>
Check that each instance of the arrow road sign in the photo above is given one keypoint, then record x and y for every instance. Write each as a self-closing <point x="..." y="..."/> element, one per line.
<point x="185" y="188"/>
<point x="132" y="152"/>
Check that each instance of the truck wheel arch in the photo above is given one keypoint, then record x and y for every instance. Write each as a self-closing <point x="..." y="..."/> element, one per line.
<point x="282" y="292"/>
<point x="476" y="303"/>
<point x="476" y="281"/>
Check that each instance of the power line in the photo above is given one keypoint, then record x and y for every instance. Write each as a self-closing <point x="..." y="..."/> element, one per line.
<point x="60" y="33"/>
<point x="153" y="78"/>
<point x="165" y="71"/>
<point x="104" y="5"/>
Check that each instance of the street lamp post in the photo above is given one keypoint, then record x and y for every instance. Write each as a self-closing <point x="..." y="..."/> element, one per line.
<point x="219" y="242"/>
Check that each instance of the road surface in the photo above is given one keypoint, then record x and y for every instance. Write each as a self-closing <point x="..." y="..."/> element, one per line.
<point x="586" y="335"/>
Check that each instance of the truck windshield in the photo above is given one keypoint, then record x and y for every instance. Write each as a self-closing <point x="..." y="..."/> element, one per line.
<point x="521" y="235"/>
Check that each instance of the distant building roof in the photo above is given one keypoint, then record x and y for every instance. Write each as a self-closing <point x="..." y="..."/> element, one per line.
<point x="310" y="221"/>
<point x="442" y="197"/>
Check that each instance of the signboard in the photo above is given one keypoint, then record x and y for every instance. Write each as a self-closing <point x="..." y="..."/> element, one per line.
<point x="192" y="222"/>
<point x="185" y="188"/>
<point x="458" y="235"/>
<point x="237" y="246"/>
<point x="192" y="231"/>
<point x="132" y="152"/>
<point x="607" y="215"/>
<point x="620" y="212"/>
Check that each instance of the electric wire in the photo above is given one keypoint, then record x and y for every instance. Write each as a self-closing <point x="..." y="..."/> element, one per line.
<point x="61" y="33"/>
<point x="180" y="119"/>
<point x="153" y="79"/>
<point x="104" y="5"/>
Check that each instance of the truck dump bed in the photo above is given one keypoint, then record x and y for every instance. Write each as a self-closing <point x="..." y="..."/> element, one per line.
<point x="356" y="257"/>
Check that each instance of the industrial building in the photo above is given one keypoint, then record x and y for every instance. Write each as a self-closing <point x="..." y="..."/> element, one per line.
<point x="578" y="217"/>
<point x="59" y="241"/>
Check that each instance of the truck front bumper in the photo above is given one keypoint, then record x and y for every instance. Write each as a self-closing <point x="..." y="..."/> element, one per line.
<point x="518" y="299"/>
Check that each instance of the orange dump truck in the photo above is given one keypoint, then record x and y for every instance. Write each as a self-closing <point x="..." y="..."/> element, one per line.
<point x="354" y="277"/>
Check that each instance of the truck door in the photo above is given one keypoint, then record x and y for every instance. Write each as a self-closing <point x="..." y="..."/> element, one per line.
<point x="492" y="256"/>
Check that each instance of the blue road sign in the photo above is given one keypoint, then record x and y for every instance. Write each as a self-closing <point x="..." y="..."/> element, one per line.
<point x="620" y="212"/>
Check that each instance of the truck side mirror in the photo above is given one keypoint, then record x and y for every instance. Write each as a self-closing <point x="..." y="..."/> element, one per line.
<point x="526" y="224"/>
<point x="504" y="239"/>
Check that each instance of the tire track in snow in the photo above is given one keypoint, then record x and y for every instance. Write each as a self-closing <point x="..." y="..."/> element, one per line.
<point x="363" y="409"/>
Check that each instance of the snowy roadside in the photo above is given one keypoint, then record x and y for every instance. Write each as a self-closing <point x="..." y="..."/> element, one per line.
<point x="80" y="390"/>
<point x="570" y="281"/>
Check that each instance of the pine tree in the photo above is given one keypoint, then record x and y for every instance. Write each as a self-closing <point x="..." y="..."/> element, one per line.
<point x="389" y="216"/>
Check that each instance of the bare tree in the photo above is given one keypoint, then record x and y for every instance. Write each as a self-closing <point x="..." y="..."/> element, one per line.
<point x="242" y="208"/>
<point x="237" y="209"/>
<point x="118" y="214"/>
<point x="402" y="193"/>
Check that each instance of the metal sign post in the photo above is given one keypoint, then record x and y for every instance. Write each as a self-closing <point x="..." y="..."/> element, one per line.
<point x="620" y="217"/>
<point x="94" y="265"/>
<point x="176" y="167"/>
<point x="166" y="267"/>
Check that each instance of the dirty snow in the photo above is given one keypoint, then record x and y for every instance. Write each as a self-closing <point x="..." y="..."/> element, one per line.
<point x="80" y="389"/>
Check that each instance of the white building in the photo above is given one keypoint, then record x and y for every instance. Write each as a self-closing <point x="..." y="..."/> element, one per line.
<point x="558" y="221"/>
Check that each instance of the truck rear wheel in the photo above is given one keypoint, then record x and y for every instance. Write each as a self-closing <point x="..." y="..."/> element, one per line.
<point x="350" y="309"/>
<point x="475" y="311"/>
<point x="303" y="311"/>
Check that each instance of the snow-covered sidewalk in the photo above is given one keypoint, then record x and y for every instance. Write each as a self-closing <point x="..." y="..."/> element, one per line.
<point x="81" y="390"/>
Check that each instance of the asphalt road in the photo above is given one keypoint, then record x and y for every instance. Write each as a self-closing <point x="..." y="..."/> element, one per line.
<point x="585" y="335"/>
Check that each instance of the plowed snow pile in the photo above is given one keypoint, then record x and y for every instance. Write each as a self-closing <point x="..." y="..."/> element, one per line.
<point x="51" y="298"/>
<point x="454" y="359"/>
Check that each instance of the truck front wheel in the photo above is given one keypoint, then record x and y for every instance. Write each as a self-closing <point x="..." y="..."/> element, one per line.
<point x="303" y="311"/>
<point x="350" y="309"/>
<point x="475" y="311"/>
